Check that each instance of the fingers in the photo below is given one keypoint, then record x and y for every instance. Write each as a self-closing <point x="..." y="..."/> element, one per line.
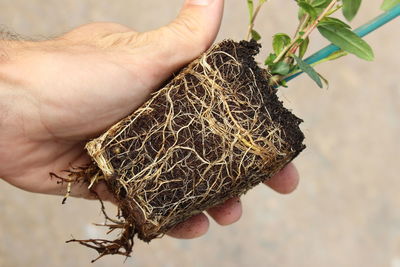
<point x="195" y="226"/>
<point x="189" y="35"/>
<point x="228" y="212"/>
<point x="196" y="27"/>
<point x="285" y="181"/>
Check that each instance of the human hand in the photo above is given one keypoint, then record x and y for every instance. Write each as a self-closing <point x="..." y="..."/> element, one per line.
<point x="55" y="95"/>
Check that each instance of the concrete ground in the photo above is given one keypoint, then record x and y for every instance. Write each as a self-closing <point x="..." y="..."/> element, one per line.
<point x="346" y="211"/>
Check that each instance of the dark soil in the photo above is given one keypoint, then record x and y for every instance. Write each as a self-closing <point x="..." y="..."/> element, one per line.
<point x="213" y="132"/>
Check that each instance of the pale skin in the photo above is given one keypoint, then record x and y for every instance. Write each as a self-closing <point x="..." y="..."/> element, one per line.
<point x="57" y="94"/>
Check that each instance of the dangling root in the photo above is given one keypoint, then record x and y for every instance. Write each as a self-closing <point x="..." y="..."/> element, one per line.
<point x="78" y="175"/>
<point x="121" y="246"/>
<point x="62" y="180"/>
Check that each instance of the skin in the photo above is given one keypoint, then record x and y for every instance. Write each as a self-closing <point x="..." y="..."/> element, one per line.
<point x="55" y="95"/>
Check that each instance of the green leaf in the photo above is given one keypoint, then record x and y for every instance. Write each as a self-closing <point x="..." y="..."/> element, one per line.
<point x="347" y="40"/>
<point x="320" y="3"/>
<point x="307" y="8"/>
<point x="284" y="83"/>
<point x="280" y="41"/>
<point x="301" y="14"/>
<point x="324" y="80"/>
<point x="319" y="10"/>
<point x="255" y="35"/>
<point x="281" y="68"/>
<point x="309" y="70"/>
<point x="335" y="21"/>
<point x="338" y="54"/>
<point x="389" y="4"/>
<point x="350" y="8"/>
<point x="303" y="47"/>
<point x="270" y="59"/>
<point x="250" y="5"/>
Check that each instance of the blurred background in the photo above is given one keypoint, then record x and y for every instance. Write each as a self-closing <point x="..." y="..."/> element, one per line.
<point x="346" y="211"/>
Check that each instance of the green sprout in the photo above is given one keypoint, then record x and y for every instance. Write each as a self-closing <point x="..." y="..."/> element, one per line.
<point x="288" y="52"/>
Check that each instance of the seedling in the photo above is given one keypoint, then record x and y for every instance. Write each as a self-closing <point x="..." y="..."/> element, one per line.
<point x="288" y="54"/>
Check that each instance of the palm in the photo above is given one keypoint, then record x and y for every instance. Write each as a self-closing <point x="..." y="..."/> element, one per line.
<point x="86" y="90"/>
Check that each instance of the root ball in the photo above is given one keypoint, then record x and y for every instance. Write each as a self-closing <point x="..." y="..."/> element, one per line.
<point x="216" y="130"/>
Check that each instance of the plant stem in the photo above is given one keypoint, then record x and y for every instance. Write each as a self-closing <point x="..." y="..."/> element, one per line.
<point x="251" y="25"/>
<point x="284" y="51"/>
<point x="338" y="7"/>
<point x="302" y="24"/>
<point x="314" y="25"/>
<point x="292" y="47"/>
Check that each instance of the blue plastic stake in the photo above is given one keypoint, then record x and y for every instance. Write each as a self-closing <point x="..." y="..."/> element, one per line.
<point x="361" y="31"/>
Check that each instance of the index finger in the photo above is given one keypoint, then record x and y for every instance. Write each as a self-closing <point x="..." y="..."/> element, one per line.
<point x="285" y="181"/>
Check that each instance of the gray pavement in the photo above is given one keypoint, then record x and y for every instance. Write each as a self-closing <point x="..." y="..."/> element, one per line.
<point x="346" y="211"/>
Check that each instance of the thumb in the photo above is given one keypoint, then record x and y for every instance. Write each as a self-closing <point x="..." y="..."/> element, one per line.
<point x="186" y="37"/>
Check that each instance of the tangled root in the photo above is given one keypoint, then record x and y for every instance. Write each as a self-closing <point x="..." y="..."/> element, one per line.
<point x="213" y="132"/>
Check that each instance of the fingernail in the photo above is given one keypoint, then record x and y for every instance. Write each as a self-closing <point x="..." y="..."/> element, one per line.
<point x="200" y="2"/>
